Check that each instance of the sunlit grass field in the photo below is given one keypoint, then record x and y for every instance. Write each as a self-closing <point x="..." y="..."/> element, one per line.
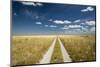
<point x="29" y="49"/>
<point x="80" y="48"/>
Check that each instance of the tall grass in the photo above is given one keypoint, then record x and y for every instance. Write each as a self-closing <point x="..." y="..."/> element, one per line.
<point x="29" y="50"/>
<point x="80" y="48"/>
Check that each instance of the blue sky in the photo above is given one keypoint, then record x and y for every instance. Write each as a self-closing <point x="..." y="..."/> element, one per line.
<point x="51" y="18"/>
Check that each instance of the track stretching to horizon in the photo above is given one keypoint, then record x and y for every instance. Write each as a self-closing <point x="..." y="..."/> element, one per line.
<point x="47" y="56"/>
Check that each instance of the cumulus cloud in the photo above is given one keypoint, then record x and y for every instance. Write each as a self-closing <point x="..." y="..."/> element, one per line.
<point x="73" y="31"/>
<point x="78" y="28"/>
<point x="62" y="22"/>
<point x="85" y="29"/>
<point x="38" y="23"/>
<point x="58" y="22"/>
<point x="54" y="26"/>
<point x="92" y="29"/>
<point x="39" y="4"/>
<point x="46" y="25"/>
<point x="82" y="23"/>
<point x="87" y="9"/>
<point x="66" y="21"/>
<point x="75" y="26"/>
<point x="90" y="22"/>
<point x="65" y="27"/>
<point x="76" y="21"/>
<point x="32" y="3"/>
<point x="71" y="26"/>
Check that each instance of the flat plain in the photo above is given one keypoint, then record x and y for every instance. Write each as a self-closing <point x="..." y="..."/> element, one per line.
<point x="80" y="48"/>
<point x="31" y="49"/>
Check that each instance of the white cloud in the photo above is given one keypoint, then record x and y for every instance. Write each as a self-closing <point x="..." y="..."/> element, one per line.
<point x="54" y="26"/>
<point x="38" y="23"/>
<point x="87" y="9"/>
<point x="65" y="27"/>
<point x="84" y="29"/>
<point x="29" y="3"/>
<point x="39" y="4"/>
<point x="73" y="31"/>
<point x="78" y="30"/>
<point x="32" y="3"/>
<point x="76" y="21"/>
<point x="75" y="26"/>
<point x="46" y="25"/>
<point x="66" y="21"/>
<point x="92" y="29"/>
<point x="71" y="26"/>
<point x="82" y="23"/>
<point x="90" y="22"/>
<point x="62" y="22"/>
<point x="58" y="22"/>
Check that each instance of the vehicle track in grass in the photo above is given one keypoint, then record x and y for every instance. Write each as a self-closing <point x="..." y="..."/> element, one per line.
<point x="47" y="58"/>
<point x="65" y="54"/>
<point x="57" y="56"/>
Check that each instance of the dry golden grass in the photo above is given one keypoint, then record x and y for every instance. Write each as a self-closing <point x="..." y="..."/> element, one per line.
<point x="80" y="48"/>
<point x="29" y="50"/>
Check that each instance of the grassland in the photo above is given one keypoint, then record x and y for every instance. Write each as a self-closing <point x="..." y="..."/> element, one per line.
<point x="57" y="54"/>
<point x="80" y="48"/>
<point x="29" y="49"/>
